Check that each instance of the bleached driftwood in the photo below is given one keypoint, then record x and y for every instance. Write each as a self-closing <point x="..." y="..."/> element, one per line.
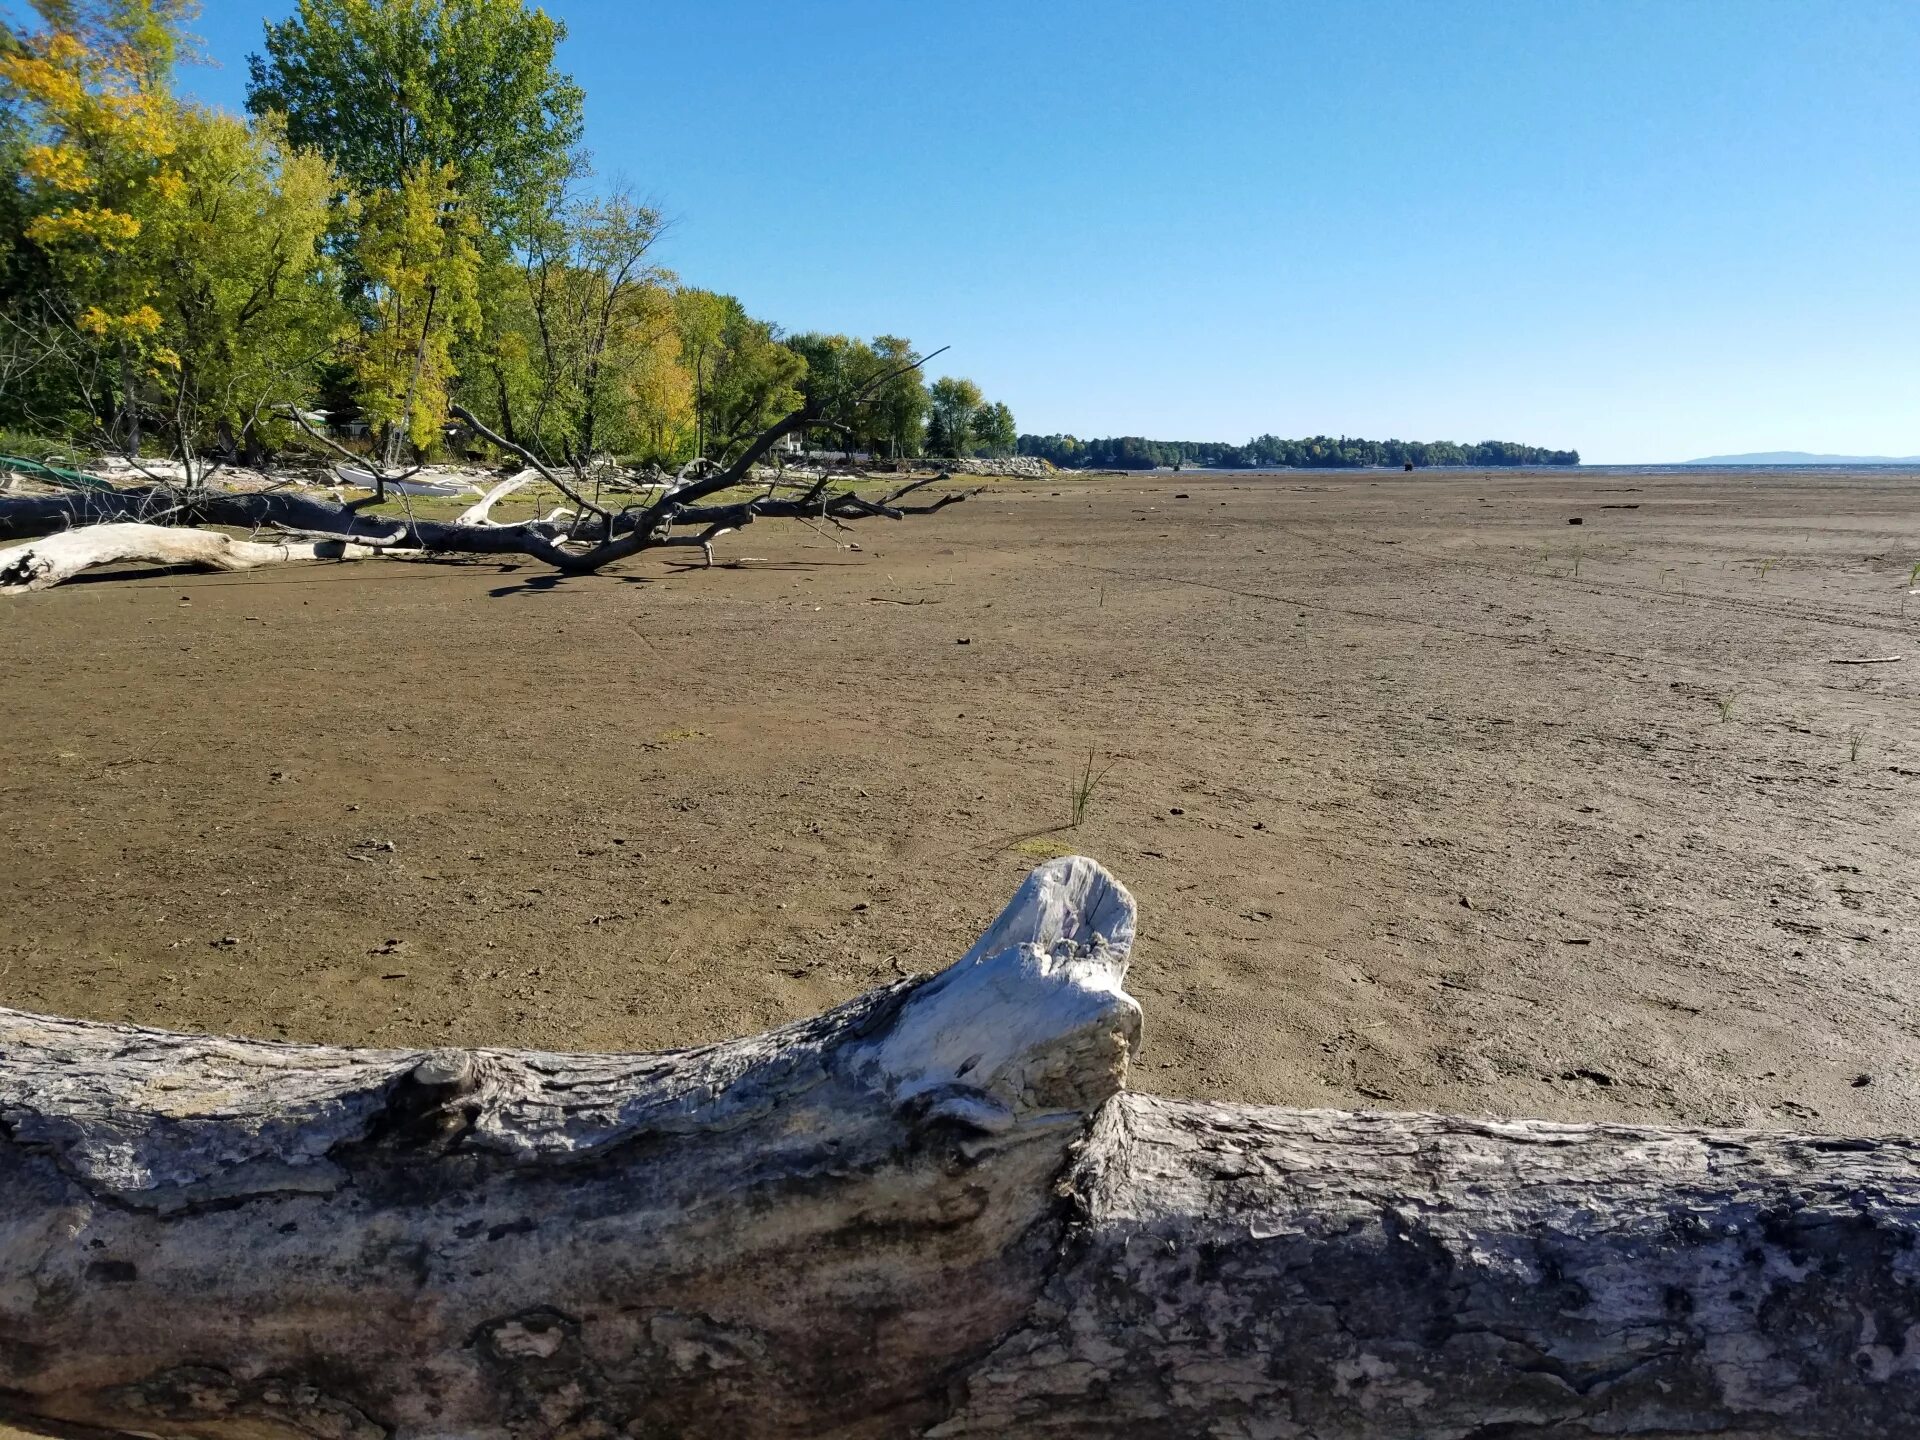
<point x="929" y="1212"/>
<point x="481" y="511"/>
<point x="44" y="563"/>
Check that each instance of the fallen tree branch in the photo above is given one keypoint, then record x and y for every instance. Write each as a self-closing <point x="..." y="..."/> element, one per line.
<point x="42" y="564"/>
<point x="460" y="412"/>
<point x="929" y="1212"/>
<point x="581" y="549"/>
<point x="481" y="511"/>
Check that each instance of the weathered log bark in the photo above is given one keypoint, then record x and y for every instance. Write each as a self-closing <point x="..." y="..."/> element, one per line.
<point x="42" y="564"/>
<point x="29" y="516"/>
<point x="928" y="1212"/>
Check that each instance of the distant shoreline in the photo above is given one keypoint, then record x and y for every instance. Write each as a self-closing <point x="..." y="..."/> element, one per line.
<point x="1672" y="467"/>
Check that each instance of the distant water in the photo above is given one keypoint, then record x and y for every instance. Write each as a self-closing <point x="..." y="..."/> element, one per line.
<point x="1880" y="467"/>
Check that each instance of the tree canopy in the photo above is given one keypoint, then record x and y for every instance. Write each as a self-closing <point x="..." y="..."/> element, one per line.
<point x="384" y="87"/>
<point x="1269" y="452"/>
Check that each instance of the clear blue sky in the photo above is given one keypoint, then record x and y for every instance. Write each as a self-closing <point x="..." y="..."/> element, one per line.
<point x="1647" y="230"/>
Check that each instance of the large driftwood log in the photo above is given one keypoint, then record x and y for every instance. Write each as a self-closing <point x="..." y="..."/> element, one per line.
<point x="929" y="1212"/>
<point x="42" y="564"/>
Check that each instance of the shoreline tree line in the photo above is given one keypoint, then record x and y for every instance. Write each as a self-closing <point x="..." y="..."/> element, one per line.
<point x="1269" y="452"/>
<point x="404" y="222"/>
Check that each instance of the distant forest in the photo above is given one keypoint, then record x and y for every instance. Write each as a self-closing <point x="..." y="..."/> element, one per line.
<point x="1319" y="452"/>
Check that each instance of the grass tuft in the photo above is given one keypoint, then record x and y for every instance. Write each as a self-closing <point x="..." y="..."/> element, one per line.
<point x="1081" y="794"/>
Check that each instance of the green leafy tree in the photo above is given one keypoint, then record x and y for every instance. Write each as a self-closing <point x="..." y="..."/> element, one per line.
<point x="994" y="430"/>
<point x="249" y="305"/>
<point x="900" y="406"/>
<point x="954" y="414"/>
<point x="588" y="356"/>
<point x="415" y="248"/>
<point x="839" y="373"/>
<point x="95" y="128"/>
<point x="743" y="377"/>
<point x="385" y="87"/>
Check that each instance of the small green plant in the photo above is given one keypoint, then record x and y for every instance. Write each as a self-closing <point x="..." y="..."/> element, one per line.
<point x="1576" y="562"/>
<point x="1082" y="791"/>
<point x="1854" y="737"/>
<point x="1766" y="565"/>
<point x="1725" y="705"/>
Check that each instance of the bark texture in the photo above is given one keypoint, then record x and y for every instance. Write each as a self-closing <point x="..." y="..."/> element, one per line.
<point x="44" y="563"/>
<point x="1318" y="1275"/>
<point x="929" y="1212"/>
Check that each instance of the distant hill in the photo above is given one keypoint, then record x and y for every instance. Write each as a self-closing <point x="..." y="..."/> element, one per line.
<point x="1801" y="457"/>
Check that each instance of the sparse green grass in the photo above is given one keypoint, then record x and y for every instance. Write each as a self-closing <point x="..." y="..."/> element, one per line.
<point x="1083" y="789"/>
<point x="1855" y="737"/>
<point x="1724" y="703"/>
<point x="1768" y="564"/>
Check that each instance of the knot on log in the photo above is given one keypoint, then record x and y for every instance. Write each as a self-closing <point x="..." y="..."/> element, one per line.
<point x="1032" y="1020"/>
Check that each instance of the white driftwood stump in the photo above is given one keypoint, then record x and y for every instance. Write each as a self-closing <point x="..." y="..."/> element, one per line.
<point x="932" y="1212"/>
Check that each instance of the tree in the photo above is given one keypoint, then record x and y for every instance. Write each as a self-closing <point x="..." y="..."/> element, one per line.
<point x="700" y="317"/>
<point x="385" y="88"/>
<point x="586" y="354"/>
<point x="164" y="273"/>
<point x="154" y="31"/>
<point x="994" y="430"/>
<point x="248" y="304"/>
<point x="95" y="166"/>
<point x="415" y="247"/>
<point x="955" y="407"/>
<point x="743" y="377"/>
<point x="839" y="376"/>
<point x="901" y="404"/>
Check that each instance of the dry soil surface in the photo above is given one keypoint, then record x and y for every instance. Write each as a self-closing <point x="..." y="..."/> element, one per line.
<point x="1430" y="798"/>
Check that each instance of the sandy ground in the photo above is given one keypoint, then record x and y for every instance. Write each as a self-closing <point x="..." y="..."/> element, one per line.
<point x="1430" y="799"/>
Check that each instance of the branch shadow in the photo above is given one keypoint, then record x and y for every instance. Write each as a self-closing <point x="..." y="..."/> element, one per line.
<point x="549" y="581"/>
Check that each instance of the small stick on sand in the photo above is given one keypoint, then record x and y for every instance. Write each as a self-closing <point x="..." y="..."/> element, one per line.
<point x="1867" y="660"/>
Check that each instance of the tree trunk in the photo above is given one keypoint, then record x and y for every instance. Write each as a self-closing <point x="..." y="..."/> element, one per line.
<point x="129" y="402"/>
<point x="929" y="1212"/>
<point x="603" y="538"/>
<point x="42" y="564"/>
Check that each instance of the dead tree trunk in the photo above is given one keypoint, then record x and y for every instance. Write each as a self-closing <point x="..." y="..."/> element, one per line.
<point x="578" y="548"/>
<point x="929" y="1212"/>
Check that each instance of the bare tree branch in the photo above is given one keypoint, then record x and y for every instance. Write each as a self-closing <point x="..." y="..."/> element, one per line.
<point x="461" y="412"/>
